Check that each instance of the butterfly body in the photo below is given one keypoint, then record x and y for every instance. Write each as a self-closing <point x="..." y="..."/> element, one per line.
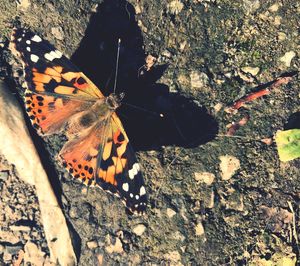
<point x="61" y="99"/>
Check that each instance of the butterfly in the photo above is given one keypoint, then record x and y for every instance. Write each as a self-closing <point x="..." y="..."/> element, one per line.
<point x="60" y="98"/>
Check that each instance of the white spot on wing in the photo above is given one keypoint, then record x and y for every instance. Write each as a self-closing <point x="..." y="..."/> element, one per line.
<point x="137" y="197"/>
<point x="34" y="58"/>
<point x="58" y="54"/>
<point x="28" y="49"/>
<point x="142" y="191"/>
<point x="52" y="55"/>
<point x="48" y="56"/>
<point x="36" y="38"/>
<point x="19" y="39"/>
<point x="28" y="42"/>
<point x="135" y="169"/>
<point x="131" y="195"/>
<point x="125" y="187"/>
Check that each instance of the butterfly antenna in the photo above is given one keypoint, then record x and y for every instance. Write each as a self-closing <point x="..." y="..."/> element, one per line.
<point x="117" y="65"/>
<point x="144" y="110"/>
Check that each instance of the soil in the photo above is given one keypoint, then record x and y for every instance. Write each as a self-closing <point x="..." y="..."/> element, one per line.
<point x="213" y="199"/>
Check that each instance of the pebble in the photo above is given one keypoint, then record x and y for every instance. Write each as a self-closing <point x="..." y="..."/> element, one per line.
<point x="277" y="20"/>
<point x="19" y="228"/>
<point x="281" y="36"/>
<point x="3" y="175"/>
<point x="173" y="256"/>
<point x="170" y="212"/>
<point x="175" y="7"/>
<point x="205" y="177"/>
<point x="218" y="107"/>
<point x="116" y="248"/>
<point x="178" y="236"/>
<point x="251" y="70"/>
<point x="73" y="213"/>
<point x="199" y="229"/>
<point x="92" y="244"/>
<point x="7" y="256"/>
<point x="274" y="7"/>
<point x="182" y="45"/>
<point x="139" y="229"/>
<point x="166" y="53"/>
<point x="228" y="166"/>
<point x="58" y="33"/>
<point x="251" y="5"/>
<point x="287" y="58"/>
<point x="23" y="5"/>
<point x="33" y="254"/>
<point x="198" y="80"/>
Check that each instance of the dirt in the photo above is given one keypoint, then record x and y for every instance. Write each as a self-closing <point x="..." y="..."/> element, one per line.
<point x="201" y="50"/>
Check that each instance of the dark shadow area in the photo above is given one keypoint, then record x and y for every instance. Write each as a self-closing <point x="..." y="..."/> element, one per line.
<point x="184" y="122"/>
<point x="293" y="121"/>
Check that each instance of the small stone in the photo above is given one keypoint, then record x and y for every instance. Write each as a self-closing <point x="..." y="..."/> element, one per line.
<point x="7" y="256"/>
<point x="281" y="36"/>
<point x="245" y="77"/>
<point x="251" y="6"/>
<point x="9" y="237"/>
<point x="199" y="229"/>
<point x="170" y="212"/>
<point x="218" y="107"/>
<point x="3" y="175"/>
<point x="228" y="166"/>
<point x="173" y="256"/>
<point x="205" y="177"/>
<point x="139" y="229"/>
<point x="251" y="70"/>
<point x="166" y="53"/>
<point x="92" y="244"/>
<point x="198" y="80"/>
<point x="116" y="248"/>
<point x="287" y="58"/>
<point x="182" y="45"/>
<point x="73" y="213"/>
<point x="57" y="33"/>
<point x="19" y="228"/>
<point x="138" y="9"/>
<point x="33" y="254"/>
<point x="274" y="7"/>
<point x="175" y="7"/>
<point x="23" y="5"/>
<point x="178" y="236"/>
<point x="277" y="21"/>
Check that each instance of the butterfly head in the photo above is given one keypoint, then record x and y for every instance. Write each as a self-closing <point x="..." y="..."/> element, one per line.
<point x="114" y="100"/>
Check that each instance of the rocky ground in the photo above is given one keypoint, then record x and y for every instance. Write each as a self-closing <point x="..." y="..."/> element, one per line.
<point x="213" y="199"/>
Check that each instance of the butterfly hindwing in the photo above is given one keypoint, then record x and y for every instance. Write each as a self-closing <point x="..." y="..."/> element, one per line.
<point x="118" y="171"/>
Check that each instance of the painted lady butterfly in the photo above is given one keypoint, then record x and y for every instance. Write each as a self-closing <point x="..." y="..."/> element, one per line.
<point x="60" y="98"/>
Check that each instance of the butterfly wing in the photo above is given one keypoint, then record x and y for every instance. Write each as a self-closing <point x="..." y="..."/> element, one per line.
<point x="118" y="171"/>
<point x="47" y="71"/>
<point x="103" y="156"/>
<point x="56" y="89"/>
